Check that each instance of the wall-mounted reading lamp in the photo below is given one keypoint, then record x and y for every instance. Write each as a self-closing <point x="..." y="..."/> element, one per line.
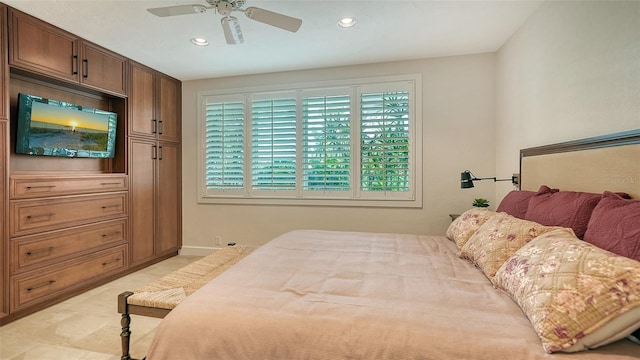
<point x="467" y="178"/>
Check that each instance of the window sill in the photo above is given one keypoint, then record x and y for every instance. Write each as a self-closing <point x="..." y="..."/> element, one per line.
<point x="389" y="203"/>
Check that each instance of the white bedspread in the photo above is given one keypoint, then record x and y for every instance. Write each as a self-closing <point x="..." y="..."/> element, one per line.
<point x="341" y="295"/>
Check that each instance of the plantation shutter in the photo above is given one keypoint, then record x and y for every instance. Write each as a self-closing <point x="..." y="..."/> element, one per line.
<point x="384" y="141"/>
<point x="326" y="147"/>
<point x="273" y="143"/>
<point x="348" y="143"/>
<point x="224" y="145"/>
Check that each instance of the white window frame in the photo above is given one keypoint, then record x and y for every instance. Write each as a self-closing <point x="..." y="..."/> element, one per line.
<point x="411" y="199"/>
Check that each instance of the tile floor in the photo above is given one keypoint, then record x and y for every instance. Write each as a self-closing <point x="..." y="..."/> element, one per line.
<point x="87" y="326"/>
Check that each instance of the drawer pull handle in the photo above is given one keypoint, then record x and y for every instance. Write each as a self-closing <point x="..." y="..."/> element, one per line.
<point x="109" y="183"/>
<point x="110" y="206"/>
<point x="111" y="262"/>
<point x="48" y="283"/>
<point x="41" y="187"/>
<point x="111" y="234"/>
<point x="40" y="251"/>
<point x="31" y="217"/>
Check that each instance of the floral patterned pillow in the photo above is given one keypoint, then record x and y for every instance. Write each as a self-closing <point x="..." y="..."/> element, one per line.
<point x="499" y="238"/>
<point x="466" y="225"/>
<point x="576" y="295"/>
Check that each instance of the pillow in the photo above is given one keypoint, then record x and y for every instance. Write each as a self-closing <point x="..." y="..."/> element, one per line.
<point x="499" y="238"/>
<point x="615" y="225"/>
<point x="563" y="208"/>
<point x="576" y="295"/>
<point x="466" y="224"/>
<point x="515" y="203"/>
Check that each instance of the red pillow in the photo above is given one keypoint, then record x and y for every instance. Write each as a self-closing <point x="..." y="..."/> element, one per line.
<point x="516" y="203"/>
<point x="563" y="208"/>
<point x="615" y="226"/>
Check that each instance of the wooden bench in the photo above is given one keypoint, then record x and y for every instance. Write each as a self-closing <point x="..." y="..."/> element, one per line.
<point x="159" y="297"/>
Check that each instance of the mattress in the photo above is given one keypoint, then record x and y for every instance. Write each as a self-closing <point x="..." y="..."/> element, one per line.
<point x="348" y="295"/>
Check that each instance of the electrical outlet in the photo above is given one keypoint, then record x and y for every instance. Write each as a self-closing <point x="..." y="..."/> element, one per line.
<point x="218" y="240"/>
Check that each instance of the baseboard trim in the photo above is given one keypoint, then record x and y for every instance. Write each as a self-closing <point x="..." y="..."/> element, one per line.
<point x="197" y="250"/>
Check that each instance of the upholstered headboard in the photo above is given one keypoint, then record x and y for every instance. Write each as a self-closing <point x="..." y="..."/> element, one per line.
<point x="609" y="162"/>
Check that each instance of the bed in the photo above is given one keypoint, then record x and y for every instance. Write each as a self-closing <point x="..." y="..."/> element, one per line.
<point x="498" y="286"/>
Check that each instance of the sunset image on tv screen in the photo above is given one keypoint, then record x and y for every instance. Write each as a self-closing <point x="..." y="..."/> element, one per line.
<point x="68" y="128"/>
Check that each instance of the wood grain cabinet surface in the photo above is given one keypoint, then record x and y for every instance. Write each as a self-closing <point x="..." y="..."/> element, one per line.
<point x="34" y="287"/>
<point x="34" y="216"/>
<point x="154" y="164"/>
<point x="155" y="104"/>
<point x="24" y="187"/>
<point x="43" y="48"/>
<point x="29" y="252"/>
<point x="71" y="224"/>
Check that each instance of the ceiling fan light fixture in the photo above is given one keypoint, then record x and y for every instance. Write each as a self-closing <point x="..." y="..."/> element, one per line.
<point x="230" y="24"/>
<point x="347" y="22"/>
<point x="199" y="41"/>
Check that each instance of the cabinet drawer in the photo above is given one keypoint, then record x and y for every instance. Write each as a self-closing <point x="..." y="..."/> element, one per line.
<point x="23" y="187"/>
<point x="34" y="251"/>
<point x="31" y="288"/>
<point x="31" y="216"/>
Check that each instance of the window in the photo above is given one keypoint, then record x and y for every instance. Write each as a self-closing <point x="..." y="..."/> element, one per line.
<point x="338" y="144"/>
<point x="273" y="144"/>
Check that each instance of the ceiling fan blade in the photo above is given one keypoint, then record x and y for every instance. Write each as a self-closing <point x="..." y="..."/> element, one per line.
<point x="273" y="18"/>
<point x="178" y="10"/>
<point x="232" y="32"/>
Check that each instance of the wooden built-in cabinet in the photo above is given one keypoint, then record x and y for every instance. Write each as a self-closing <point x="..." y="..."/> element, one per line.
<point x="142" y="174"/>
<point x="168" y="199"/>
<point x="33" y="288"/>
<point x="70" y="224"/>
<point x="155" y="199"/>
<point x="154" y="160"/>
<point x="4" y="163"/>
<point x="39" y="47"/>
<point x="156" y="110"/>
<point x="4" y="173"/>
<point x="58" y="243"/>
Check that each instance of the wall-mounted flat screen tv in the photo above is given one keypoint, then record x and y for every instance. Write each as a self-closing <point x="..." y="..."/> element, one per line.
<point x="57" y="128"/>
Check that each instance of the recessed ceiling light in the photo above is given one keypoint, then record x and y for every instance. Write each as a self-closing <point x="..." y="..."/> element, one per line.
<point x="199" y="42"/>
<point x="347" y="22"/>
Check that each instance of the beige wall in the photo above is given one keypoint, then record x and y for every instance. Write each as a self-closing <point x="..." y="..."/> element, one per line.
<point x="572" y="71"/>
<point x="458" y="133"/>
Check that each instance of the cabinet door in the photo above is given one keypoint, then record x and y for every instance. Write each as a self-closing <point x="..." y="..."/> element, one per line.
<point x="4" y="68"/>
<point x="169" y="94"/>
<point x="37" y="46"/>
<point x="103" y="69"/>
<point x="4" y="141"/>
<point x="142" y="161"/>
<point x="169" y="228"/>
<point x="141" y="101"/>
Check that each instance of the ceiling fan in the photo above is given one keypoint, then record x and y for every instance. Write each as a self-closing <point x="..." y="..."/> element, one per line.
<point x="230" y="24"/>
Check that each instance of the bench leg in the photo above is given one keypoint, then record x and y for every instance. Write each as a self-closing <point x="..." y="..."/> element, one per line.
<point x="125" y="321"/>
<point x="125" y="336"/>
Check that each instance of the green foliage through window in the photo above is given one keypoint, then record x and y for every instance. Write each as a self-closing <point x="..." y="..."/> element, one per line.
<point x="350" y="142"/>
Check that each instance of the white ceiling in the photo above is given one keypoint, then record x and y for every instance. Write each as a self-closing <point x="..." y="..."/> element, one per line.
<point x="386" y="31"/>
